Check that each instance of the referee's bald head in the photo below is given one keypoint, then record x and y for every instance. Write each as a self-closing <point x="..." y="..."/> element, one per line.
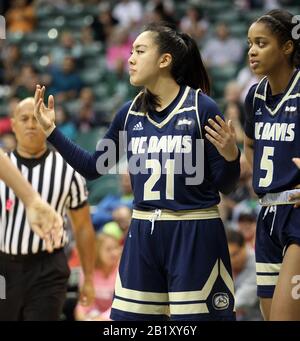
<point x="31" y="139"/>
<point x="25" y="103"/>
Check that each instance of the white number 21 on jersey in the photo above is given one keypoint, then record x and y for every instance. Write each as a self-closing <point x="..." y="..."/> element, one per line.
<point x="149" y="193"/>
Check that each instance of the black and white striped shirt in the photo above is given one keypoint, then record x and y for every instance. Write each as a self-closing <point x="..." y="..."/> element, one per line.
<point x="58" y="184"/>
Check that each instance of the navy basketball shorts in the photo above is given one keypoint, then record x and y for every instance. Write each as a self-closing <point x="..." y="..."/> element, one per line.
<point x="277" y="228"/>
<point x="174" y="270"/>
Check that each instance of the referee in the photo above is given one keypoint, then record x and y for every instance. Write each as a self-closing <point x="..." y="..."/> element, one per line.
<point x="36" y="281"/>
<point x="41" y="216"/>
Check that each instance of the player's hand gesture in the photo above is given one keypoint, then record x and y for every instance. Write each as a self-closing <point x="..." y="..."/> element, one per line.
<point x="45" y="222"/>
<point x="44" y="115"/>
<point x="222" y="135"/>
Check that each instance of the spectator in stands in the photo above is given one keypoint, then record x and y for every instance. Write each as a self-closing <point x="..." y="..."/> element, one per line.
<point x="246" y="225"/>
<point x="244" y="275"/>
<point x="20" y="17"/>
<point x="87" y="119"/>
<point x="11" y="60"/>
<point x="65" y="81"/>
<point x="104" y="210"/>
<point x="88" y="116"/>
<point x="193" y="23"/>
<point x="232" y="92"/>
<point x="67" y="47"/>
<point x="118" y="88"/>
<point x="7" y="142"/>
<point x="159" y="14"/>
<point x="5" y="126"/>
<point x="118" y="49"/>
<point x="222" y="50"/>
<point x="104" y="24"/>
<point x="248" y="201"/>
<point x="119" y="227"/>
<point x="169" y="6"/>
<point x="26" y="81"/>
<point x="87" y="42"/>
<point x="65" y="123"/>
<point x="129" y="13"/>
<point x="122" y="216"/>
<point x="108" y="252"/>
<point x="86" y="96"/>
<point x="245" y="79"/>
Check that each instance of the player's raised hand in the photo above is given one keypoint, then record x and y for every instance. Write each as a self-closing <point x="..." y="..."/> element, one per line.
<point x="45" y="222"/>
<point x="222" y="135"/>
<point x="45" y="115"/>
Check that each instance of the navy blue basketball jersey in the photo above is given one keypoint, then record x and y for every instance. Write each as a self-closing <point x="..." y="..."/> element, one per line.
<point x="165" y="146"/>
<point x="277" y="137"/>
<point x="172" y="165"/>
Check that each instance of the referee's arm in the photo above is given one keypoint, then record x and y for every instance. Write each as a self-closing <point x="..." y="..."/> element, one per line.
<point x="85" y="241"/>
<point x="42" y="218"/>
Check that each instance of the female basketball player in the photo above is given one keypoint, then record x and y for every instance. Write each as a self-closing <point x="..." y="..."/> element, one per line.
<point x="175" y="260"/>
<point x="272" y="140"/>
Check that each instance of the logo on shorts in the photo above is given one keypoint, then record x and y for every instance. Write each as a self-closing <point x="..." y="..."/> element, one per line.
<point x="220" y="301"/>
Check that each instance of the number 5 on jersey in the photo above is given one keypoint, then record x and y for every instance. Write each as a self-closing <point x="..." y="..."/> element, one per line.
<point x="266" y="164"/>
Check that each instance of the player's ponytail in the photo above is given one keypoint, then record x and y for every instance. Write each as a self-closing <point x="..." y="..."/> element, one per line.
<point x="192" y="72"/>
<point x="187" y="67"/>
<point x="281" y="23"/>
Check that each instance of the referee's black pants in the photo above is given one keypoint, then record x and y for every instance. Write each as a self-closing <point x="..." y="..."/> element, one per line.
<point x="36" y="286"/>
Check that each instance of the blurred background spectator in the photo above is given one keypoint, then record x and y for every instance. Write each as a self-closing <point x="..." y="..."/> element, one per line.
<point x="108" y="253"/>
<point x="244" y="274"/>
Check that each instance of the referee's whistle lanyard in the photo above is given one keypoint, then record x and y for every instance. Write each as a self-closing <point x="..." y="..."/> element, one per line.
<point x="156" y="215"/>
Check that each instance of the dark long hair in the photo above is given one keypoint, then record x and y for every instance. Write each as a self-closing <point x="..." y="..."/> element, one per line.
<point x="280" y="23"/>
<point x="187" y="67"/>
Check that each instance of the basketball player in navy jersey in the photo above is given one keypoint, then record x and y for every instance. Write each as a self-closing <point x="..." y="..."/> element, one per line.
<point x="272" y="140"/>
<point x="175" y="262"/>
